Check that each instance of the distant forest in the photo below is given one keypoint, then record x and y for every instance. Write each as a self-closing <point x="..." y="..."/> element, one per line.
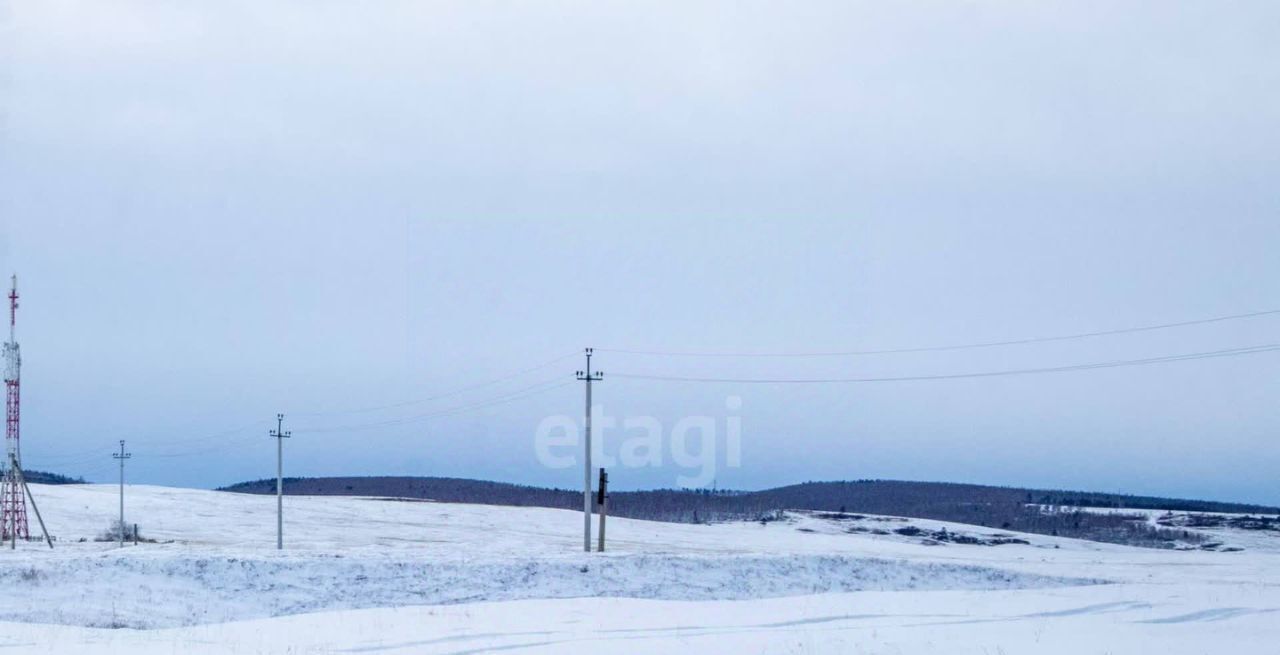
<point x="1037" y="511"/>
<point x="44" y="477"/>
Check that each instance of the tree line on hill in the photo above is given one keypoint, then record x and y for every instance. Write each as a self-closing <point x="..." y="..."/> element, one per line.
<point x="45" y="477"/>
<point x="1048" y="512"/>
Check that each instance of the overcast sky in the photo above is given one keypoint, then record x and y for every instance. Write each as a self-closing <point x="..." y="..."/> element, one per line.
<point x="221" y="210"/>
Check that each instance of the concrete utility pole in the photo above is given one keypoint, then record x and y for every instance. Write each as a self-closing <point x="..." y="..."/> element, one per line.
<point x="122" y="456"/>
<point x="280" y="435"/>
<point x="588" y="377"/>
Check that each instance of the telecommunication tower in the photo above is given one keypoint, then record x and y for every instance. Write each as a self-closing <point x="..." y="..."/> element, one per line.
<point x="13" y="502"/>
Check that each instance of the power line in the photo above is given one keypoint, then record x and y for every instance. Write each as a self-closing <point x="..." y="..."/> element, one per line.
<point x="446" y="394"/>
<point x="62" y="461"/>
<point x="1231" y="352"/>
<point x="964" y="346"/>
<point x="255" y="425"/>
<point x="94" y="470"/>
<point x="77" y="463"/>
<point x="75" y="459"/>
<point x="166" y="450"/>
<point x="500" y="401"/>
<point x="544" y="386"/>
<point x="80" y="457"/>
<point x="223" y="445"/>
<point x="219" y="446"/>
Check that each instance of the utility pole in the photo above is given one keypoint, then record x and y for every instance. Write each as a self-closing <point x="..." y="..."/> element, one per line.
<point x="122" y="456"/>
<point x="587" y="376"/>
<point x="603" y="501"/>
<point x="280" y="435"/>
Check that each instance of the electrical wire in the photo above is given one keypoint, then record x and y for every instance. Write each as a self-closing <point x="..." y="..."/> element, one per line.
<point x="163" y="453"/>
<point x="1231" y="352"/>
<point x="446" y="394"/>
<point x="964" y="346"/>
<point x="546" y="385"/>
<point x="93" y="470"/>
<point x="77" y="459"/>
<point x="72" y="459"/>
<point x="207" y="437"/>
<point x="45" y="463"/>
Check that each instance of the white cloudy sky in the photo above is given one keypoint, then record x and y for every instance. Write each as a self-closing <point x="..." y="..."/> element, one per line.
<point x="220" y="210"/>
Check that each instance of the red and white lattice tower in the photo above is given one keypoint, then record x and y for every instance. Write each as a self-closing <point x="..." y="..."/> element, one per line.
<point x="13" y="503"/>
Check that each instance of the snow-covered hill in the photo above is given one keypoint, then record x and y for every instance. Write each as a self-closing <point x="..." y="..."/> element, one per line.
<point x="809" y="583"/>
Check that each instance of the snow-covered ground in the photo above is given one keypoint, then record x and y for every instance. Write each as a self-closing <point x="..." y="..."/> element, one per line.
<point x="374" y="575"/>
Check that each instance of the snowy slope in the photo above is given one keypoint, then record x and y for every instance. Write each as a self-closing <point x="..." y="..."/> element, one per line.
<point x="365" y="575"/>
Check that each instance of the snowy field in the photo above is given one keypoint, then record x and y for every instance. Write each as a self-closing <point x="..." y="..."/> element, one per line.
<point x="364" y="575"/>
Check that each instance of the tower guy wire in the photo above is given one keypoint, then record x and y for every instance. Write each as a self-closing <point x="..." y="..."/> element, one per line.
<point x="32" y="498"/>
